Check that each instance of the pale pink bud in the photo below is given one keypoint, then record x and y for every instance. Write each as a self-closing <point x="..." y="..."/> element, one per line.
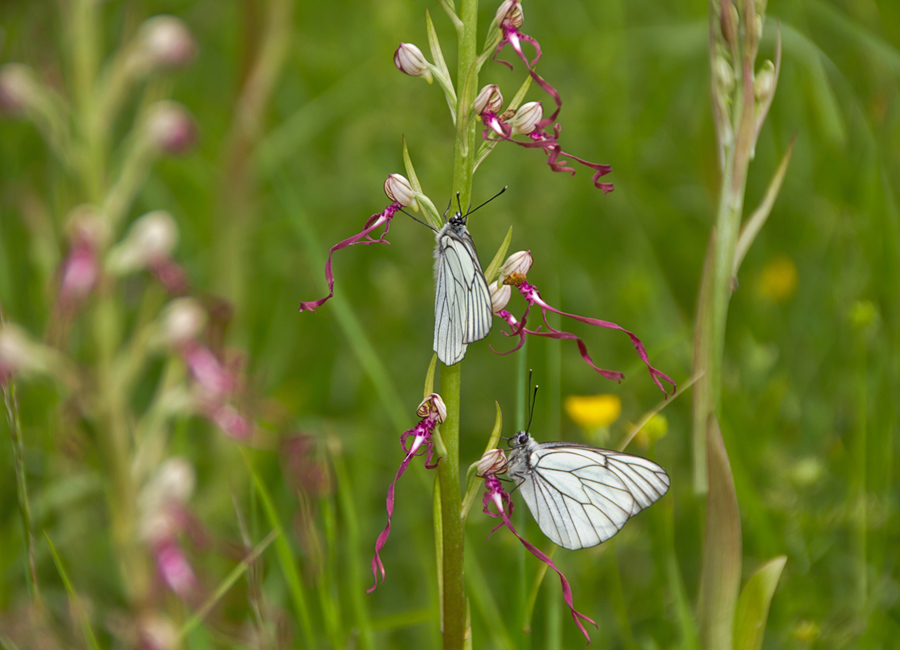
<point x="400" y="191"/>
<point x="158" y="633"/>
<point x="500" y="294"/>
<point x="410" y="60"/>
<point x="18" y="88"/>
<point x="171" y="128"/>
<point x="526" y="118"/>
<point x="182" y="322"/>
<point x="510" y="12"/>
<point x="152" y="237"/>
<point x="489" y="98"/>
<point x="19" y="353"/>
<point x="492" y="462"/>
<point x="517" y="264"/>
<point x="432" y="404"/>
<point x="166" y="42"/>
<point x="230" y="421"/>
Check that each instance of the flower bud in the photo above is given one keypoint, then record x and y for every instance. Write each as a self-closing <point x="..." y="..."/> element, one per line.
<point x="492" y="462"/>
<point x="18" y="89"/>
<point x="510" y="13"/>
<point x="20" y="354"/>
<point x="410" y="60"/>
<point x="400" y="191"/>
<point x="500" y="295"/>
<point x="152" y="237"/>
<point x="764" y="85"/>
<point x="182" y="321"/>
<point x="724" y="75"/>
<point x="432" y="404"/>
<point x="166" y="43"/>
<point x="526" y="118"/>
<point x="517" y="264"/>
<point x="171" y="128"/>
<point x="489" y="98"/>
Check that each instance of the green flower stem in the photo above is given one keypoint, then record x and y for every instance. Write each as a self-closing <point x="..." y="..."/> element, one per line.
<point x="453" y="599"/>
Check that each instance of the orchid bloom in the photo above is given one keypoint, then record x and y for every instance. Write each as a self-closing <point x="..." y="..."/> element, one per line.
<point x="510" y="18"/>
<point x="432" y="411"/>
<point x="401" y="194"/>
<point x="503" y="506"/>
<point x="517" y="266"/>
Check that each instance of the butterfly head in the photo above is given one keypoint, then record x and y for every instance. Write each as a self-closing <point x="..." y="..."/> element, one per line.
<point x="518" y="440"/>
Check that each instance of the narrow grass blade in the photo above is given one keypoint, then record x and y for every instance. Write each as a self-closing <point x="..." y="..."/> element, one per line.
<point x="223" y="588"/>
<point x="753" y="606"/>
<point x="285" y="555"/>
<point x="75" y="601"/>
<point x="354" y="571"/>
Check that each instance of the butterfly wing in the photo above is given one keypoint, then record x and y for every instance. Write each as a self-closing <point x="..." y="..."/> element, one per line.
<point x="581" y="496"/>
<point x="462" y="304"/>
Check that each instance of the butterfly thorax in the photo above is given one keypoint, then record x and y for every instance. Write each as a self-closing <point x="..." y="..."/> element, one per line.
<point x="520" y="457"/>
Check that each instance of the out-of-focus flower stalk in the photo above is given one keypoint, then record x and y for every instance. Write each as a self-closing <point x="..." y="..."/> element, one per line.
<point x="741" y="98"/>
<point x="236" y="210"/>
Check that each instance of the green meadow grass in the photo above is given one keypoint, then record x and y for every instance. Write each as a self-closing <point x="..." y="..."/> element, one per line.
<point x="282" y="547"/>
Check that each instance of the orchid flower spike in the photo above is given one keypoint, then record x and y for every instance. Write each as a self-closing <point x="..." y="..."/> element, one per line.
<point x="432" y="412"/>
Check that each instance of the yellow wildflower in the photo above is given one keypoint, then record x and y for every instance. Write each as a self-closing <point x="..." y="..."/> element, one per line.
<point x="592" y="411"/>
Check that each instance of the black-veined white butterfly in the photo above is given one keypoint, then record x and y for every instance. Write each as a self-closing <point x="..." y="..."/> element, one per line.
<point x="580" y="495"/>
<point x="462" y="301"/>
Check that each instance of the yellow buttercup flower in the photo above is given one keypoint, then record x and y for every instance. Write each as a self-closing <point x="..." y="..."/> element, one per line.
<point x="778" y="279"/>
<point x="593" y="411"/>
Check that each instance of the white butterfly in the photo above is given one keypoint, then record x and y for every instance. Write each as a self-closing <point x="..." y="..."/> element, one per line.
<point x="462" y="301"/>
<point x="580" y="495"/>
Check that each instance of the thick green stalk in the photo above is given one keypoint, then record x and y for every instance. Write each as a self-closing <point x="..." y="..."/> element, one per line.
<point x="453" y="599"/>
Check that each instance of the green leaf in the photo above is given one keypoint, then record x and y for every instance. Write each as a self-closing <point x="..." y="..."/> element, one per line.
<point x="758" y="218"/>
<point x="472" y="482"/>
<point x="431" y="212"/>
<point x="493" y="269"/>
<point x="720" y="573"/>
<point x="753" y="606"/>
<point x="429" y="376"/>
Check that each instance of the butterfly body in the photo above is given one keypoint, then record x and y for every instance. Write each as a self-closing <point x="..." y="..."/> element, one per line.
<point x="580" y="495"/>
<point x="462" y="305"/>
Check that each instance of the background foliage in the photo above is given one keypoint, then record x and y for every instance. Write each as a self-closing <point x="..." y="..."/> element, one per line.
<point x="810" y="386"/>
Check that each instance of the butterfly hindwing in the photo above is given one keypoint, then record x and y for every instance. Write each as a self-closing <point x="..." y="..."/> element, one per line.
<point x="581" y="496"/>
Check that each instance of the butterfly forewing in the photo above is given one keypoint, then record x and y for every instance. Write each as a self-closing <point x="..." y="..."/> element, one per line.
<point x="462" y="306"/>
<point x="581" y="496"/>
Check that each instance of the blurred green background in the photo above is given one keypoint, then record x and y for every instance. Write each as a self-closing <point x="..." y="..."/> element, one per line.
<point x="812" y="360"/>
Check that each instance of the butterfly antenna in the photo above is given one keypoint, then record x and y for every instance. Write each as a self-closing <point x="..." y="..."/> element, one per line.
<point x="470" y="210"/>
<point x="427" y="225"/>
<point x="532" y="401"/>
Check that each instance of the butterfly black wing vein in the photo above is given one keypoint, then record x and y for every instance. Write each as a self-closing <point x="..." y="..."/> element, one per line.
<point x="580" y="495"/>
<point x="462" y="308"/>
